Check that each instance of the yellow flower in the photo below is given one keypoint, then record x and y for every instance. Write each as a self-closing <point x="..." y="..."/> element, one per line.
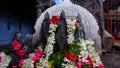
<point x="49" y="64"/>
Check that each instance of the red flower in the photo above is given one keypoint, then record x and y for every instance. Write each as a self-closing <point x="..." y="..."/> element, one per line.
<point x="79" y="64"/>
<point x="54" y="20"/>
<point x="39" y="53"/>
<point x="0" y="59"/>
<point x="89" y="61"/>
<point x="35" y="58"/>
<point x="72" y="57"/>
<point x="16" y="45"/>
<point x="67" y="55"/>
<point x="21" y="52"/>
<point x="100" y="66"/>
<point x="21" y="62"/>
<point x="90" y="64"/>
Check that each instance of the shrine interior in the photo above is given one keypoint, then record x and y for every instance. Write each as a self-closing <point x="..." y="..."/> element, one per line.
<point x="18" y="19"/>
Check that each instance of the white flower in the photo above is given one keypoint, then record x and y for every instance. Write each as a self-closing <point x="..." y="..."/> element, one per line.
<point x="5" y="60"/>
<point x="28" y="63"/>
<point x="89" y="42"/>
<point x="70" y="39"/>
<point x="65" y="59"/>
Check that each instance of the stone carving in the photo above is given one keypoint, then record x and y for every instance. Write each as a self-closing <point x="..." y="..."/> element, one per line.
<point x="90" y="26"/>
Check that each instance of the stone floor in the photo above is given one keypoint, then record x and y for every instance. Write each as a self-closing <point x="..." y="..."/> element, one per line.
<point x="111" y="60"/>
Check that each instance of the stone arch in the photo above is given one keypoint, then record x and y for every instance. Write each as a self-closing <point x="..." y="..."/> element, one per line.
<point x="90" y="25"/>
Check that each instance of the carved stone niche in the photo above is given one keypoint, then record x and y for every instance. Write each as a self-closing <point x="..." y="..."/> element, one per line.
<point x="89" y="22"/>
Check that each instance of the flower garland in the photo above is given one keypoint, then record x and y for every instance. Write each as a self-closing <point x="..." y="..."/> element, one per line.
<point x="70" y="30"/>
<point x="87" y="55"/>
<point x="93" y="54"/>
<point x="51" y="40"/>
<point x="17" y="46"/>
<point x="43" y="62"/>
<point x="50" y="43"/>
<point x="80" y="54"/>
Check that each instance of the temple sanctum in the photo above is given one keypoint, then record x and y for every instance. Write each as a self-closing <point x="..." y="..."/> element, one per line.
<point x="59" y="33"/>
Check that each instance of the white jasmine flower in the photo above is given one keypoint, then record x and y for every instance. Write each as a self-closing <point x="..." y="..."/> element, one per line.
<point x="65" y="59"/>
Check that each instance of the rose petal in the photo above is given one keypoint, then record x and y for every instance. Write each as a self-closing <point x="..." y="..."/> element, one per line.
<point x="54" y="20"/>
<point x="34" y="58"/>
<point x="79" y="64"/>
<point x="21" y="52"/>
<point x="21" y="62"/>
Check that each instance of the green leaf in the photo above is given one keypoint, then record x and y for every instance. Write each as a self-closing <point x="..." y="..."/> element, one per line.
<point x="8" y="52"/>
<point x="57" y="59"/>
<point x="85" y="66"/>
<point x="74" y="48"/>
<point x="23" y="66"/>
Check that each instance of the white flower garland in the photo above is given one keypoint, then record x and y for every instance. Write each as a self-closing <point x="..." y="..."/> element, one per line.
<point x="83" y="51"/>
<point x="85" y="47"/>
<point x="50" y="40"/>
<point x="88" y="50"/>
<point x="50" y="43"/>
<point x="93" y="54"/>
<point x="71" y="30"/>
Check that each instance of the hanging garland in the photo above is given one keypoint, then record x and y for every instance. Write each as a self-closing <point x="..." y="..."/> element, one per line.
<point x="80" y="52"/>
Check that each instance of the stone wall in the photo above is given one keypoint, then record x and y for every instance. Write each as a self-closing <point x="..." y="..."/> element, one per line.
<point x="96" y="8"/>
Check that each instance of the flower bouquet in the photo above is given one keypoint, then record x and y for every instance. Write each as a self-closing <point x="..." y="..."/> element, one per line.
<point x="80" y="53"/>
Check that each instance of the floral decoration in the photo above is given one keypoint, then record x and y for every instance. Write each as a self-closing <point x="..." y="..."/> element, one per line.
<point x="80" y="52"/>
<point x="4" y="60"/>
<point x="37" y="55"/>
<point x="17" y="48"/>
<point x="16" y="45"/>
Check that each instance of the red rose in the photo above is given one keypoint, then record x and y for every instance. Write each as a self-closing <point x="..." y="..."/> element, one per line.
<point x="79" y="64"/>
<point x="35" y="58"/>
<point x="21" y="62"/>
<point x="54" y="20"/>
<point x="21" y="52"/>
<point x="16" y="45"/>
<point x="89" y="59"/>
<point x="72" y="57"/>
<point x="67" y="55"/>
<point x="100" y="66"/>
<point x="39" y="53"/>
